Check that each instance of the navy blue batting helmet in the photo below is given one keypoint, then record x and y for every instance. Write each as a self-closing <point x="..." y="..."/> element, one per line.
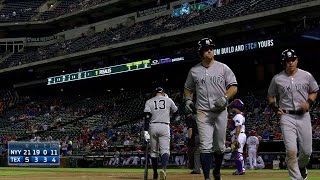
<point x="288" y="54"/>
<point x="205" y="42"/>
<point x="237" y="103"/>
<point x="159" y="90"/>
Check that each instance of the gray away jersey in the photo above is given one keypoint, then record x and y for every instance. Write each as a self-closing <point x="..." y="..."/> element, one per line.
<point x="209" y="83"/>
<point x="160" y="108"/>
<point x="292" y="90"/>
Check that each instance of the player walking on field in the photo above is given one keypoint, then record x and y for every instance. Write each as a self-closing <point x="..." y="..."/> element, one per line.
<point x="156" y="130"/>
<point x="297" y="90"/>
<point x="238" y="136"/>
<point x="214" y="84"/>
<point x="252" y="149"/>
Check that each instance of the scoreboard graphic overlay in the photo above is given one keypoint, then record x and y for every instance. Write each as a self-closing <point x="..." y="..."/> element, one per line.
<point x="33" y="153"/>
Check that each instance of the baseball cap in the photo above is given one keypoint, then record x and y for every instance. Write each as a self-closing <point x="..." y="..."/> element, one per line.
<point x="288" y="54"/>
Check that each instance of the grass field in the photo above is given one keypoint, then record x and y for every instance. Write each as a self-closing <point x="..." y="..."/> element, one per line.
<point x="23" y="173"/>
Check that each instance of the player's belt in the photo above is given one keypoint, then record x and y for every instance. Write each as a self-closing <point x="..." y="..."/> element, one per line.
<point x="300" y="112"/>
<point x="159" y="123"/>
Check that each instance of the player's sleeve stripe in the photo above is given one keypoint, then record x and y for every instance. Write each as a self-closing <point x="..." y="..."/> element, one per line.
<point x="315" y="90"/>
<point x="232" y="84"/>
<point x="189" y="88"/>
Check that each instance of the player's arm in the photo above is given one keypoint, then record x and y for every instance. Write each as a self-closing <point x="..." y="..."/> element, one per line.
<point x="314" y="87"/>
<point x="272" y="102"/>
<point x="174" y="110"/>
<point x="305" y="106"/>
<point x="189" y="125"/>
<point x="238" y="129"/>
<point x="272" y="93"/>
<point x="189" y="133"/>
<point x="231" y="91"/>
<point x="147" y="118"/>
<point x="189" y="87"/>
<point x="188" y="94"/>
<point x="238" y="122"/>
<point x="230" y="83"/>
<point x="311" y="98"/>
<point x="273" y="105"/>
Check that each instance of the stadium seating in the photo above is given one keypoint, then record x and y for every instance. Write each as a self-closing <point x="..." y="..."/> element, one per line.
<point x="59" y="9"/>
<point x="19" y="10"/>
<point x="272" y="4"/>
<point x="24" y="10"/>
<point x="118" y="110"/>
<point x="146" y="28"/>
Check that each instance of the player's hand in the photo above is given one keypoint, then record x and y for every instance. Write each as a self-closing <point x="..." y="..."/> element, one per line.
<point x="305" y="106"/>
<point x="280" y="112"/>
<point x="146" y="136"/>
<point x="275" y="108"/>
<point x="222" y="102"/>
<point x="190" y="108"/>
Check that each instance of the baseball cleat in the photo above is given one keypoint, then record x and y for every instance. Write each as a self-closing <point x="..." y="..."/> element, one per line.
<point x="237" y="173"/>
<point x="217" y="177"/>
<point x="163" y="175"/>
<point x="304" y="173"/>
<point x="194" y="172"/>
<point x="155" y="176"/>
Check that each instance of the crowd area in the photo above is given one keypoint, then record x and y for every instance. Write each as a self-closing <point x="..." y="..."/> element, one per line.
<point x="85" y="127"/>
<point x="25" y="10"/>
<point x="158" y="25"/>
<point x="12" y="12"/>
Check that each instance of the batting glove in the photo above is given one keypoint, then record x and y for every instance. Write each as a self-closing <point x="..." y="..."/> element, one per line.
<point x="190" y="108"/>
<point x="146" y="136"/>
<point x="222" y="102"/>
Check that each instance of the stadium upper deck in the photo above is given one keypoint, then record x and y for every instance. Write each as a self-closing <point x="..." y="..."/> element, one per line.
<point x="148" y="30"/>
<point x="35" y="10"/>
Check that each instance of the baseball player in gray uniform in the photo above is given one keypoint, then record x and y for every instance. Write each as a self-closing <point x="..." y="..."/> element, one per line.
<point x="214" y="84"/>
<point x="297" y="90"/>
<point x="157" y="130"/>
